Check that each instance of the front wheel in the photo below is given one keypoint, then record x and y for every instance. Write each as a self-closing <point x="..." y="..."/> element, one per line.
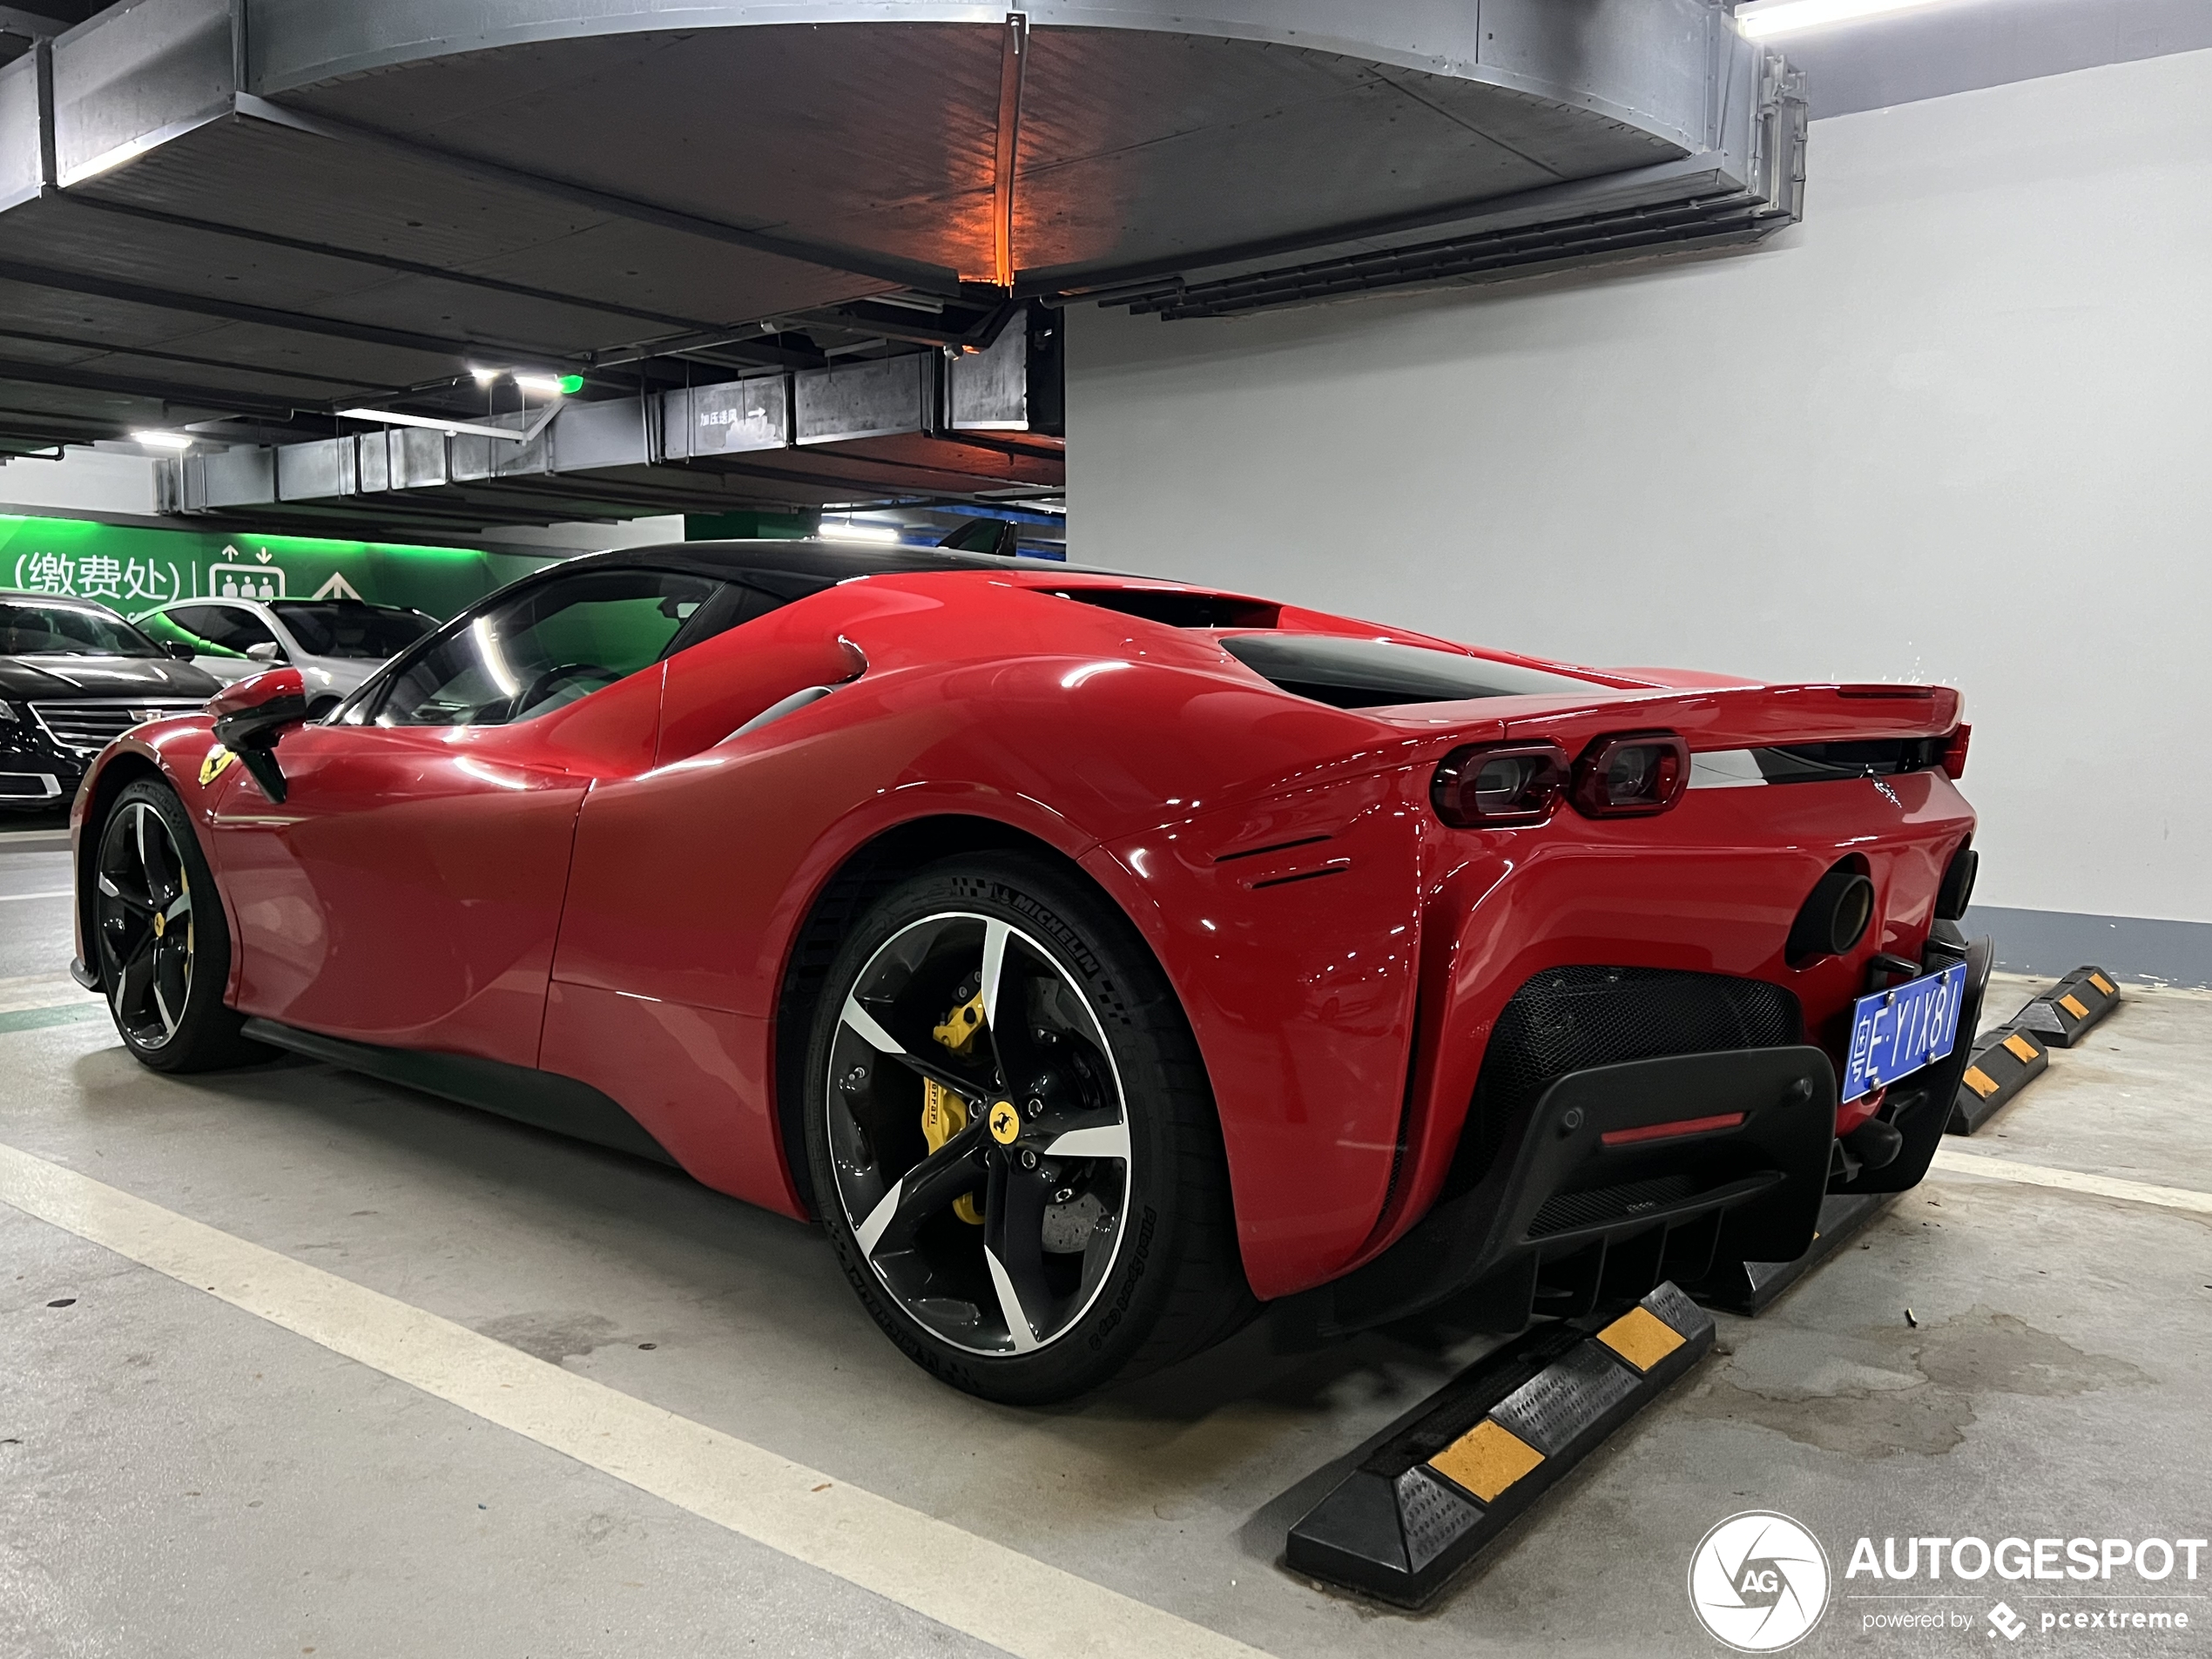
<point x="164" y="944"/>
<point x="1012" y="1142"/>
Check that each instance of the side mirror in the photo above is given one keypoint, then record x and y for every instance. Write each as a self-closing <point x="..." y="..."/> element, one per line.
<point x="252" y="714"/>
<point x="267" y="651"/>
<point x="179" y="649"/>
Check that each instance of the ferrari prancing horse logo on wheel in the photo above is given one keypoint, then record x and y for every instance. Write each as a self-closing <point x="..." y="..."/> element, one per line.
<point x="1006" y="1122"/>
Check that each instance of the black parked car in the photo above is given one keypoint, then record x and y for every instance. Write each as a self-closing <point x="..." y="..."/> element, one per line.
<point x="73" y="675"/>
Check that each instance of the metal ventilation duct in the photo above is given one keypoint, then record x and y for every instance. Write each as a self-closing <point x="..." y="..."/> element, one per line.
<point x="262" y="212"/>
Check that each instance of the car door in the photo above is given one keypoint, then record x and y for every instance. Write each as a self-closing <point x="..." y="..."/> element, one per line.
<point x="408" y="890"/>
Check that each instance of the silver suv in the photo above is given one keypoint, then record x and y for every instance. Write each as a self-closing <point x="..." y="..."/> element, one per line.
<point x="335" y="643"/>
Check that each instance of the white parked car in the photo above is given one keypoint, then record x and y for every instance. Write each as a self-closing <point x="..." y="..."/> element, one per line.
<point x="335" y="643"/>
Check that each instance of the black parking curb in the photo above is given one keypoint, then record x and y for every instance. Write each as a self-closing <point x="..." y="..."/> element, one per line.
<point x="2061" y="1016"/>
<point x="1490" y="1443"/>
<point x="2004" y="1062"/>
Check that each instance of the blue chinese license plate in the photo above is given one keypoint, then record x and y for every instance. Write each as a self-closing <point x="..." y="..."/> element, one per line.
<point x="1896" y="1032"/>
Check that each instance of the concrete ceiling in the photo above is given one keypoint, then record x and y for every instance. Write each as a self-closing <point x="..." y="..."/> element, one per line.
<point x="261" y="214"/>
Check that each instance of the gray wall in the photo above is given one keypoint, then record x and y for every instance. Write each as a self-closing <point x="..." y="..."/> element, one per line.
<point x="1957" y="426"/>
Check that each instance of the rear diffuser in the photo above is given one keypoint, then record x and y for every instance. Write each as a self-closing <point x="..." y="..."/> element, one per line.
<point x="1748" y="1287"/>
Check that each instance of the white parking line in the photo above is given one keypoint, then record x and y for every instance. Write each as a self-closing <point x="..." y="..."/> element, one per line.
<point x="970" y="1584"/>
<point x="11" y="898"/>
<point x="2103" y="1186"/>
<point x="42" y="991"/>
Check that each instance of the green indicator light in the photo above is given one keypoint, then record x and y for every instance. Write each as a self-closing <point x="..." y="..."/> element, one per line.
<point x="571" y="384"/>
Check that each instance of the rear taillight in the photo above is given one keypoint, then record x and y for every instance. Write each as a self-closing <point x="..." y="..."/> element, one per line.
<point x="1954" y="751"/>
<point x="1631" y="776"/>
<point x="1501" y="787"/>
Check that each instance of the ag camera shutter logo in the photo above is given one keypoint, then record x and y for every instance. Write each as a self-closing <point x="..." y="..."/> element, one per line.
<point x="1758" y="1582"/>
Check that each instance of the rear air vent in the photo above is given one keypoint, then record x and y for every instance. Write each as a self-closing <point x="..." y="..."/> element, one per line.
<point x="1805" y="763"/>
<point x="1272" y="846"/>
<point x="1179" y="609"/>
<point x="1375" y="673"/>
<point x="1334" y="866"/>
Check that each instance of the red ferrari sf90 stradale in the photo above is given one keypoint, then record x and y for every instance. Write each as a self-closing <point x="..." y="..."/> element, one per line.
<point x="1097" y="958"/>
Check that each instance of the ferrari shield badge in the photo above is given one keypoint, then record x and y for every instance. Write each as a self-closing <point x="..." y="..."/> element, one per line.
<point x="219" y="760"/>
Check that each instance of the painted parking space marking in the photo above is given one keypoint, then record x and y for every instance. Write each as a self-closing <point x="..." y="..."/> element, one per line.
<point x="40" y="1019"/>
<point x="970" y="1584"/>
<point x="2103" y="1186"/>
<point x="17" y="898"/>
<point x="43" y="991"/>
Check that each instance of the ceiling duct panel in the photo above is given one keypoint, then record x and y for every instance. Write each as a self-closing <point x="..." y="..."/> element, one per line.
<point x="227" y="478"/>
<point x="137" y="77"/>
<point x="22" y="131"/>
<point x="988" y="390"/>
<point x="471" y="458"/>
<point x="418" y="458"/>
<point x="737" y="417"/>
<point x="613" y="433"/>
<point x="318" y="471"/>
<point x="882" y="398"/>
<point x="372" y="461"/>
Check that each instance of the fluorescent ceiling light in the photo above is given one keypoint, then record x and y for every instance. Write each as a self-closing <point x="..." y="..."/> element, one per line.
<point x="543" y="385"/>
<point x="1763" y="19"/>
<point x="848" y="531"/>
<point x="163" y="440"/>
<point x="451" y="429"/>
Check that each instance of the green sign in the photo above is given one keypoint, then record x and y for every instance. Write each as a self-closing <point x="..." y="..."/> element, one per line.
<point x="132" y="570"/>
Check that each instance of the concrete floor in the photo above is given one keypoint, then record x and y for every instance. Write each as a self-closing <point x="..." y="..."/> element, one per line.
<point x="179" y="1477"/>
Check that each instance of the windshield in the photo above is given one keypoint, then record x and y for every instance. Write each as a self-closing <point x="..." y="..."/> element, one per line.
<point x="363" y="632"/>
<point x="38" y="628"/>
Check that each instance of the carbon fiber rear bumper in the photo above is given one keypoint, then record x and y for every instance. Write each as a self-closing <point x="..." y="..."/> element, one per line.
<point x="1616" y="1178"/>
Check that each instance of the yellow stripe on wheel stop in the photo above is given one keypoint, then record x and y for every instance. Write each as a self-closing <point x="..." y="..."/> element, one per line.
<point x="1485" y="1459"/>
<point x="1641" y="1338"/>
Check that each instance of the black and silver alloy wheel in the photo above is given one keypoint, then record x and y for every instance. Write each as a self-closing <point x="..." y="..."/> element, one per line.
<point x="1029" y="1120"/>
<point x="1010" y="1136"/>
<point x="145" y="926"/>
<point x="162" y="944"/>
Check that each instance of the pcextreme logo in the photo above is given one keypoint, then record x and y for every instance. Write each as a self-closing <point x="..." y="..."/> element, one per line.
<point x="1758" y="1582"/>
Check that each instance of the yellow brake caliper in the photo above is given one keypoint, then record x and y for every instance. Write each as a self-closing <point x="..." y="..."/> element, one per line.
<point x="944" y="1114"/>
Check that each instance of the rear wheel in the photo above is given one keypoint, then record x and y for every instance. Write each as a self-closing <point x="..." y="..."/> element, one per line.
<point x="164" y="944"/>
<point x="1012" y="1142"/>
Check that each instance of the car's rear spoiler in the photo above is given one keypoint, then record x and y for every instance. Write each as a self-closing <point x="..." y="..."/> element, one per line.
<point x="1739" y="717"/>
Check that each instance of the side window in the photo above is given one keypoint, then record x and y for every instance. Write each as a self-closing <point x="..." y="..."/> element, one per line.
<point x="246" y="631"/>
<point x="168" y="625"/>
<point x="560" y="641"/>
<point x="230" y="631"/>
<point x="207" y="629"/>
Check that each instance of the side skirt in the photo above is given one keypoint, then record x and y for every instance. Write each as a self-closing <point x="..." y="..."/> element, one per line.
<point x="543" y="1099"/>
